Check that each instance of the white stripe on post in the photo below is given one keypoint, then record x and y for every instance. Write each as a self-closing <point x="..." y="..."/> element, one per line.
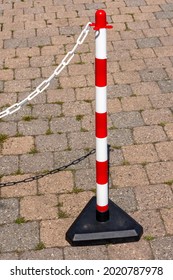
<point x="101" y="50"/>
<point x="101" y="149"/>
<point x="101" y="99"/>
<point x="102" y="194"/>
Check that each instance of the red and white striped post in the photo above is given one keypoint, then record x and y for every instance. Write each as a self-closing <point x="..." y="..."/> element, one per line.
<point x="102" y="221"/>
<point x="100" y="25"/>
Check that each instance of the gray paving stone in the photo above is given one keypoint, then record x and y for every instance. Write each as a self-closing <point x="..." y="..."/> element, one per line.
<point x="95" y="6"/>
<point x="120" y="137"/>
<point x="85" y="179"/>
<point x="33" y="127"/>
<point x="15" y="43"/>
<point x="8" y="164"/>
<point x="127" y="77"/>
<point x="167" y="7"/>
<point x="9" y="128"/>
<point x="140" y="25"/>
<point x="70" y="30"/>
<point x="145" y="88"/>
<point x="149" y="134"/>
<point x="163" y="248"/>
<point x="7" y="100"/>
<point x="47" y="71"/>
<point x="19" y="87"/>
<point x="76" y="108"/>
<point x="86" y="253"/>
<point x="134" y="3"/>
<point x="119" y="54"/>
<point x="115" y="156"/>
<point x="119" y="91"/>
<point x="63" y="95"/>
<point x="68" y="124"/>
<point x="25" y="237"/>
<point x="124" y="198"/>
<point x="53" y="142"/>
<point x="50" y="30"/>
<point x="75" y="9"/>
<point x="44" y="254"/>
<point x="36" y="163"/>
<point x="40" y="99"/>
<point x="9" y="256"/>
<point x="66" y="157"/>
<point x="88" y="122"/>
<point x="25" y="111"/>
<point x="127" y="119"/>
<point x="9" y="210"/>
<point x="39" y="41"/>
<point x="159" y="62"/>
<point x="46" y="110"/>
<point x="81" y="140"/>
<point x="24" y="33"/>
<point x="59" y="2"/>
<point x="149" y="75"/>
<point x="164" y="15"/>
<point x="166" y="86"/>
<point x="131" y="34"/>
<point x="125" y="44"/>
<point x="148" y="42"/>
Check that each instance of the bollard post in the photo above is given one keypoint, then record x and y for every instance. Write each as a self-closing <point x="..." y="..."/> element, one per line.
<point x="102" y="221"/>
<point x="102" y="207"/>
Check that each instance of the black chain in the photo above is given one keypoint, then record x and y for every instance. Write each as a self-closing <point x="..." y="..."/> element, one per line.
<point x="37" y="177"/>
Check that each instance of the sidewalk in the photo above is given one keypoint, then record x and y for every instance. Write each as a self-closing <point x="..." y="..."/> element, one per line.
<point x="57" y="127"/>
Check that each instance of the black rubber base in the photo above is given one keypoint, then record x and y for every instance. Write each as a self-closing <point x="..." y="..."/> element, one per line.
<point x="102" y="217"/>
<point x="86" y="230"/>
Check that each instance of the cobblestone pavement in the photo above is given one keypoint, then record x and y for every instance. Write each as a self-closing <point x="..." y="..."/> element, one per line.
<point x="57" y="127"/>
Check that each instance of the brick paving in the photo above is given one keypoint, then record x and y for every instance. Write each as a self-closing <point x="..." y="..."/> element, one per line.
<point x="57" y="127"/>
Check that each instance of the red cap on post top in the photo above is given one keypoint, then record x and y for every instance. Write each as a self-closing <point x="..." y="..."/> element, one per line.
<point x="100" y="18"/>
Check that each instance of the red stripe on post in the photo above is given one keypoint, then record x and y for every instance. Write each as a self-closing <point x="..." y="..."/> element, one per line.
<point x="102" y="208"/>
<point x="101" y="172"/>
<point x="101" y="125"/>
<point x="100" y="72"/>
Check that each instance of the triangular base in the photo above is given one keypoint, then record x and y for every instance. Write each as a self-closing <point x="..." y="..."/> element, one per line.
<point x="86" y="230"/>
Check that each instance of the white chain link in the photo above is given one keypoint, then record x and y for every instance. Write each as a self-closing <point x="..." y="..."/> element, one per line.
<point x="45" y="84"/>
